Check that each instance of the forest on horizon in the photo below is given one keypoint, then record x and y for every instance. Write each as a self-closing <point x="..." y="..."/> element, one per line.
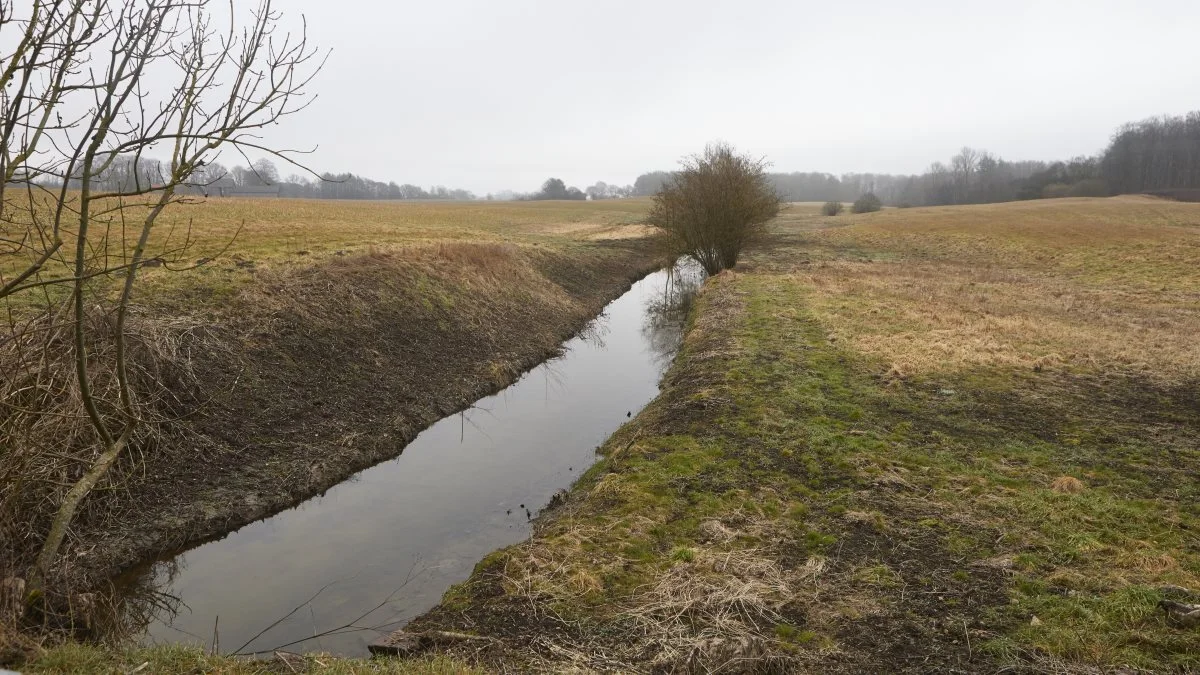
<point x="1161" y="153"/>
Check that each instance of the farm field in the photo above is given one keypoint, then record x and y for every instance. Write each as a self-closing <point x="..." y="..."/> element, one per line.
<point x="244" y="233"/>
<point x="909" y="441"/>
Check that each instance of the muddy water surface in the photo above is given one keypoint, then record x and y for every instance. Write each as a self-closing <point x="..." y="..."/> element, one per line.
<point x="382" y="547"/>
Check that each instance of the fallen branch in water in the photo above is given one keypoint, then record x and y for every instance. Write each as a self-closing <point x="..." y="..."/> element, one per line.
<point x="348" y="627"/>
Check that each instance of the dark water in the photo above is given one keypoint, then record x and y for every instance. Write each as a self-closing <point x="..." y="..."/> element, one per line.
<point x="382" y="547"/>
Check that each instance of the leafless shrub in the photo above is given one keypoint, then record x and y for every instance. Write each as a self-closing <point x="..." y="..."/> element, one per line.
<point x="868" y="203"/>
<point x="715" y="205"/>
<point x="50" y="438"/>
<point x="832" y="208"/>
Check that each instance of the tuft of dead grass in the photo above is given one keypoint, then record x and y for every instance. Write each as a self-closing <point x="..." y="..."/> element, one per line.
<point x="1067" y="485"/>
<point x="717" y="531"/>
<point x="716" y="613"/>
<point x="49" y="440"/>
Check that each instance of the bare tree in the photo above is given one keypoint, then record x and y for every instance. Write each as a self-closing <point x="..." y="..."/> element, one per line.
<point x="79" y="200"/>
<point x="715" y="205"/>
<point x="1154" y="154"/>
<point x="964" y="165"/>
<point x="265" y="172"/>
<point x="600" y="190"/>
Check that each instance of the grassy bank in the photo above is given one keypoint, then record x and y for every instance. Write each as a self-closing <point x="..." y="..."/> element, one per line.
<point x="74" y="658"/>
<point x="915" y="440"/>
<point x="327" y="337"/>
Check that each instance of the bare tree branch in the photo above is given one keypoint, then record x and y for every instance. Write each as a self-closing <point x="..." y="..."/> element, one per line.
<point x="82" y="191"/>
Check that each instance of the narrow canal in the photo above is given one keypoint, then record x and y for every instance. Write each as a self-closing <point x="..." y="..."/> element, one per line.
<point x="372" y="553"/>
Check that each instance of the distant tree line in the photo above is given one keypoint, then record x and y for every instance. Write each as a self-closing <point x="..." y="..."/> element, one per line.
<point x="261" y="177"/>
<point x="217" y="180"/>
<point x="1155" y="155"/>
<point x="970" y="177"/>
<point x="602" y="190"/>
<point x="555" y="188"/>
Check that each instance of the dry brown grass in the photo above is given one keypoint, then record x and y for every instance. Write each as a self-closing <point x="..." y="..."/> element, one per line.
<point x="256" y="233"/>
<point x="716" y="611"/>
<point x="623" y="232"/>
<point x="1063" y="284"/>
<point x="1067" y="485"/>
<point x="713" y="609"/>
<point x="283" y="227"/>
<point x="47" y="437"/>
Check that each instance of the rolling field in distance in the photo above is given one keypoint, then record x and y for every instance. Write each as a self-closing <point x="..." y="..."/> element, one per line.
<point x="286" y="233"/>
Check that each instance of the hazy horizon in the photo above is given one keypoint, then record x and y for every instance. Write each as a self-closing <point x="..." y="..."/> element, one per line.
<point x="493" y="97"/>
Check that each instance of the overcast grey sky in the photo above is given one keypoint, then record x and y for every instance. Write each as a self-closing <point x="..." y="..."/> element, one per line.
<point x="500" y="94"/>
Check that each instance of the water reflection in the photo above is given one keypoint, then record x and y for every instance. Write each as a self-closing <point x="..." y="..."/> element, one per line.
<point x="594" y="332"/>
<point x="667" y="313"/>
<point x="374" y="552"/>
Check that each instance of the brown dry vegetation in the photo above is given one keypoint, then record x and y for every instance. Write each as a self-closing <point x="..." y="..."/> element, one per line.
<point x="1070" y="284"/>
<point x="927" y="440"/>
<point x="328" y="337"/>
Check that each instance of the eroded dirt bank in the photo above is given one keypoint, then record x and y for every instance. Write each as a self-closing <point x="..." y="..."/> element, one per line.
<point x="310" y="375"/>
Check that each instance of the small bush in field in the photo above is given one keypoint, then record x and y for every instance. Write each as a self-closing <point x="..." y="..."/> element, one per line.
<point x="867" y="203"/>
<point x="832" y="208"/>
<point x="1056" y="191"/>
<point x="714" y="206"/>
